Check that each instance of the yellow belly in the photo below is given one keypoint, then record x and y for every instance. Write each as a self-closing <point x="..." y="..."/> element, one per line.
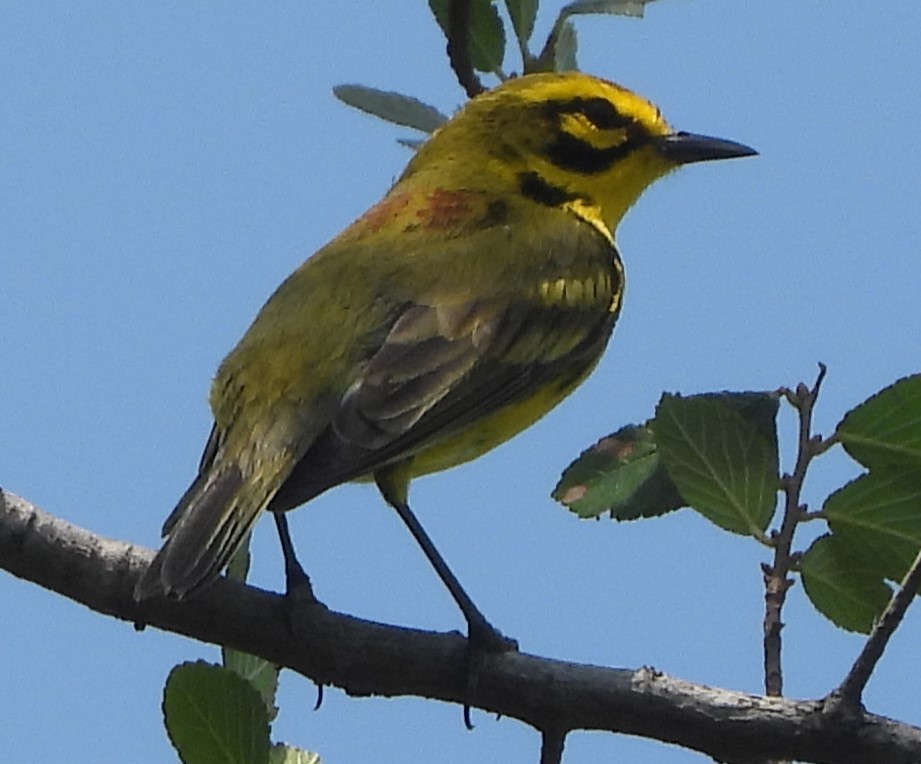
<point x="485" y="434"/>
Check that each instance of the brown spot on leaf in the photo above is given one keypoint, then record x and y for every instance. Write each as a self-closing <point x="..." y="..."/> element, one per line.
<point x="573" y="494"/>
<point x="616" y="447"/>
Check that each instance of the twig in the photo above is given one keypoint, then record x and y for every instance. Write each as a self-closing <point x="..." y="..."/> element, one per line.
<point x="528" y="62"/>
<point x="847" y="698"/>
<point x="776" y="576"/>
<point x="459" y="47"/>
<point x="551" y="746"/>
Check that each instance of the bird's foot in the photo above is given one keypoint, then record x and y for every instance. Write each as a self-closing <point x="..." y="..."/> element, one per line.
<point x="297" y="583"/>
<point x="483" y="637"/>
<point x="484" y="641"/>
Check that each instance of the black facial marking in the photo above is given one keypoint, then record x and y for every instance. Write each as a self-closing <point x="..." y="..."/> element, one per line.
<point x="535" y="187"/>
<point x="603" y="115"/>
<point x="497" y="213"/>
<point x="599" y="111"/>
<point x="571" y="153"/>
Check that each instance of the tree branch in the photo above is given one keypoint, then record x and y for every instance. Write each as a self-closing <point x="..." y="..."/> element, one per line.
<point x="847" y="698"/>
<point x="366" y="658"/>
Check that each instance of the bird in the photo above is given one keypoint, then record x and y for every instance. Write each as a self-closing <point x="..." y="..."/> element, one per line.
<point x="477" y="294"/>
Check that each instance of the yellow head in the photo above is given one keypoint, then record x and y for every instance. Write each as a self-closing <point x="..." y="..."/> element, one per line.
<point x="563" y="140"/>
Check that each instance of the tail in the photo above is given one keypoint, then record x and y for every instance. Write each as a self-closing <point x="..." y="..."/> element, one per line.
<point x="207" y="526"/>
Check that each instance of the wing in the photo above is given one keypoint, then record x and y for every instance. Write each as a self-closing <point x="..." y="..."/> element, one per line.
<point x="452" y="379"/>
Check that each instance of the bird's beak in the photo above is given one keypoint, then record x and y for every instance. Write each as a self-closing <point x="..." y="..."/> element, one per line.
<point x="685" y="148"/>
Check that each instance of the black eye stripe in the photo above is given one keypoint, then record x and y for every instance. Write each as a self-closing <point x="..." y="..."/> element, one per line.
<point x="599" y="111"/>
<point x="574" y="155"/>
<point x="603" y="115"/>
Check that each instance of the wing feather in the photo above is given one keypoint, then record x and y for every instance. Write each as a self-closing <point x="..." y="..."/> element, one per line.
<point x="420" y="389"/>
<point x="428" y="353"/>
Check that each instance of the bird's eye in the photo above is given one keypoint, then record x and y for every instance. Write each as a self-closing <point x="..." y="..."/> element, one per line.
<point x="602" y="114"/>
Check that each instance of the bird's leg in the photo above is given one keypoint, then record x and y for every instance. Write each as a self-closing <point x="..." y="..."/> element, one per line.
<point x="296" y="580"/>
<point x="482" y="634"/>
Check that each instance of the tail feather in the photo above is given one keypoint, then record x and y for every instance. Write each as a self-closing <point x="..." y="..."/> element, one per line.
<point x="204" y="470"/>
<point x="206" y="528"/>
<point x="241" y="470"/>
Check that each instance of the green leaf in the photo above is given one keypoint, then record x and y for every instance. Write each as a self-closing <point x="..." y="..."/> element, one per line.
<point x="285" y="754"/>
<point x="238" y="567"/>
<point x="878" y="516"/>
<point x="841" y="585"/>
<point x="722" y="464"/>
<point x="566" y="49"/>
<point x="487" y="33"/>
<point x="487" y="37"/>
<point x="559" y="52"/>
<point x="258" y="672"/>
<point x="621" y="474"/>
<point x="213" y="716"/>
<point x="523" y="14"/>
<point x="392" y="107"/>
<point x="634" y="8"/>
<point x="756" y="407"/>
<point x="885" y="430"/>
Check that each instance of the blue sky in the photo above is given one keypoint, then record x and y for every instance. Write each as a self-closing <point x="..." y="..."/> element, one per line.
<point x="164" y="165"/>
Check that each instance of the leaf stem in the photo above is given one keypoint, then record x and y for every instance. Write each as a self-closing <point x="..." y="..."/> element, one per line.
<point x="776" y="575"/>
<point x="527" y="58"/>
<point x="548" y="52"/>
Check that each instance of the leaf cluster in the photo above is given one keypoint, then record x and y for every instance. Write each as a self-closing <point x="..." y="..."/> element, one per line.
<point x="718" y="454"/>
<point x="875" y="520"/>
<point x="486" y="45"/>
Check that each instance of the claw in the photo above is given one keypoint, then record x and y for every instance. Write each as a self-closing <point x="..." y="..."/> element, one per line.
<point x="483" y="641"/>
